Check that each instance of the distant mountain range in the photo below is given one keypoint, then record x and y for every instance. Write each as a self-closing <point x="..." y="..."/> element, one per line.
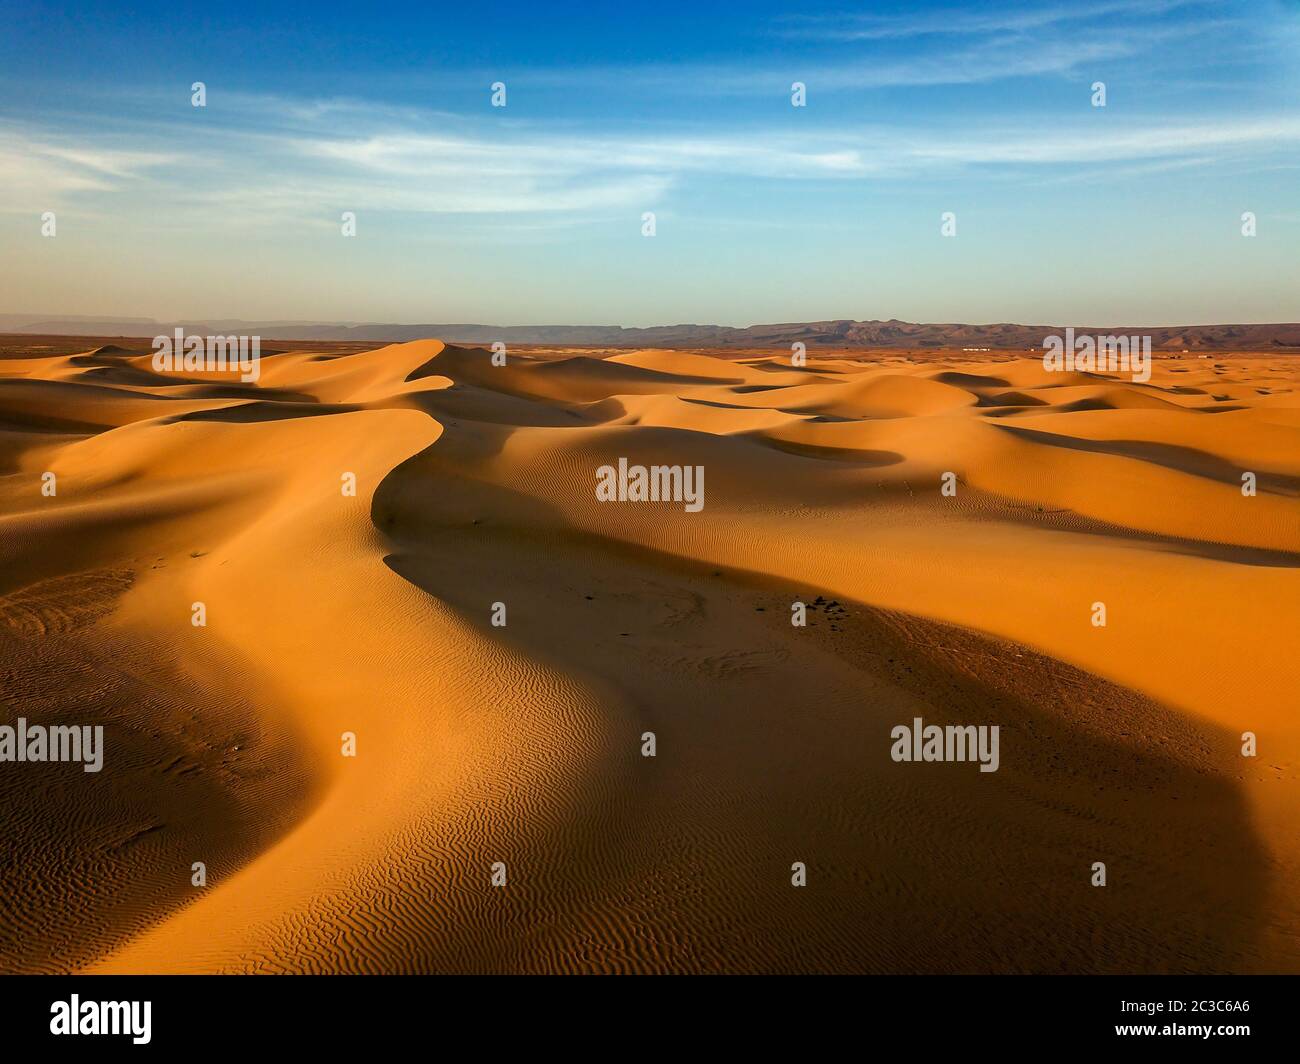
<point x="839" y="333"/>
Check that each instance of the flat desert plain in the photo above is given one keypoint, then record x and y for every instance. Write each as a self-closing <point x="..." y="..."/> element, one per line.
<point x="353" y="750"/>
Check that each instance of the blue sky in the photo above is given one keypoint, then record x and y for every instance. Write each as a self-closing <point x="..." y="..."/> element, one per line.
<point x="532" y="213"/>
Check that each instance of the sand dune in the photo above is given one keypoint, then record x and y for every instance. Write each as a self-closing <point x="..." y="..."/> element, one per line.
<point x="370" y="614"/>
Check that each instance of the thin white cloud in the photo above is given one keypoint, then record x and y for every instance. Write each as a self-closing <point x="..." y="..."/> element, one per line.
<point x="413" y="154"/>
<point x="959" y="22"/>
<point x="998" y="58"/>
<point x="1099" y="146"/>
<point x="33" y="169"/>
<point x="314" y="163"/>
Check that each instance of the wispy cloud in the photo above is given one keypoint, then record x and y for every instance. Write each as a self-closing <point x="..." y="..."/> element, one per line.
<point x="413" y="154"/>
<point x="964" y="23"/>
<point x="313" y="161"/>
<point x="33" y="168"/>
<point x="967" y="59"/>
<point x="1101" y="146"/>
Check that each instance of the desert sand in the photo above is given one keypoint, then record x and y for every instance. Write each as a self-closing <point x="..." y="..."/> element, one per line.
<point x="371" y="614"/>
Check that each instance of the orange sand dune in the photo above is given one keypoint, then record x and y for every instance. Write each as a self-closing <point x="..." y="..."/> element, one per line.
<point x="370" y="615"/>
